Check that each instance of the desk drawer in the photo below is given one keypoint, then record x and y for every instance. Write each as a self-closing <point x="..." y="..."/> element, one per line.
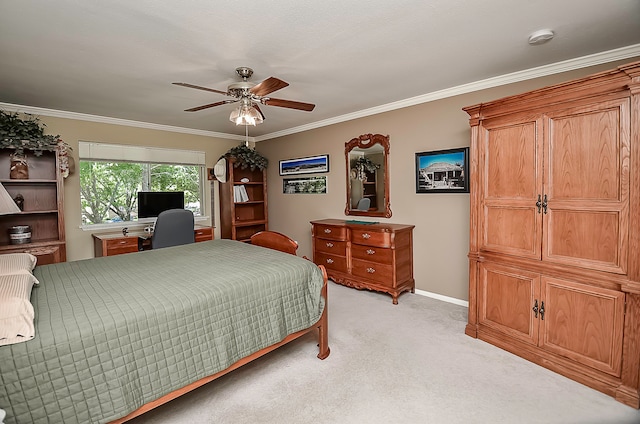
<point x="203" y="234"/>
<point x="334" y="262"/>
<point x="122" y="245"/>
<point x="371" y="238"/>
<point x="379" y="255"/>
<point x="333" y="247"/>
<point x="330" y="232"/>
<point x="373" y="271"/>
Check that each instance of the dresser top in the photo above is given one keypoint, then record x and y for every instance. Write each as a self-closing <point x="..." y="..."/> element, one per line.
<point x="360" y="225"/>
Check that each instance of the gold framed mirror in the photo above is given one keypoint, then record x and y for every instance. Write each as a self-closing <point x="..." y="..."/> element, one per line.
<point x="368" y="176"/>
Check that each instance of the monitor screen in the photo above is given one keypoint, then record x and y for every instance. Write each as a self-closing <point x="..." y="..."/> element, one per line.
<point x="151" y="203"/>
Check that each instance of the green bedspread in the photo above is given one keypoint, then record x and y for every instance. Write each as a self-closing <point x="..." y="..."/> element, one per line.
<point x="117" y="332"/>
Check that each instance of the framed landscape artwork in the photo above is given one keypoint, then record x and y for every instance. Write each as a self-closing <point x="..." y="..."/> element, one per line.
<point x="309" y="165"/>
<point x="443" y="171"/>
<point x="308" y="185"/>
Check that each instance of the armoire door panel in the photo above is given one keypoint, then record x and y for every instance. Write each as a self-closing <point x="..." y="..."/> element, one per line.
<point x="511" y="156"/>
<point x="511" y="181"/>
<point x="589" y="239"/>
<point x="512" y="230"/>
<point x="506" y="298"/>
<point x="587" y="154"/>
<point x="587" y="150"/>
<point x="583" y="323"/>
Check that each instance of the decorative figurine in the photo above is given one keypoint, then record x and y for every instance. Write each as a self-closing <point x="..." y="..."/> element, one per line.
<point x="19" y="201"/>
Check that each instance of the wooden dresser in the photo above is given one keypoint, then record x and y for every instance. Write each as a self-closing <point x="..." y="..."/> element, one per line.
<point x="554" y="272"/>
<point x="366" y="256"/>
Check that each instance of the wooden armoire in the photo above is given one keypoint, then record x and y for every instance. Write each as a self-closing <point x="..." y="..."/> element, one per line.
<point x="554" y="252"/>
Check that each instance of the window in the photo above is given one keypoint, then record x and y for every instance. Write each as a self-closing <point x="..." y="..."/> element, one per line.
<point x="109" y="183"/>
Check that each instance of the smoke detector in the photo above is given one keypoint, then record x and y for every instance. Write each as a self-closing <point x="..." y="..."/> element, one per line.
<point x="540" y="37"/>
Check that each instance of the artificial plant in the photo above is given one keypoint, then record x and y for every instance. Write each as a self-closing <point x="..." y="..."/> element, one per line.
<point x="363" y="164"/>
<point x="25" y="134"/>
<point x="246" y="157"/>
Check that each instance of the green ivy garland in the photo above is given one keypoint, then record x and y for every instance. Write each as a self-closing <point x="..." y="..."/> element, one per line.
<point x="363" y="164"/>
<point x="246" y="157"/>
<point x="25" y="134"/>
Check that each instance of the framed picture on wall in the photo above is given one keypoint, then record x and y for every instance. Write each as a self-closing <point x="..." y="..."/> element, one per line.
<point x="443" y="171"/>
<point x="308" y="165"/>
<point x="308" y="185"/>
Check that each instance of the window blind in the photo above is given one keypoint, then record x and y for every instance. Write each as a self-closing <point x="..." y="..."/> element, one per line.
<point x="126" y="153"/>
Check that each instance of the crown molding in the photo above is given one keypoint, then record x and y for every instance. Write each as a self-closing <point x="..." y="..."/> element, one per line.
<point x="540" y="71"/>
<point x="115" y="121"/>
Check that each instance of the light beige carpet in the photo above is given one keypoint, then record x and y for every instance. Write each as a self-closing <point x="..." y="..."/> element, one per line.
<point x="406" y="363"/>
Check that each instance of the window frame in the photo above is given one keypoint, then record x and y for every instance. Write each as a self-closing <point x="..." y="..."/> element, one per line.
<point x="105" y="152"/>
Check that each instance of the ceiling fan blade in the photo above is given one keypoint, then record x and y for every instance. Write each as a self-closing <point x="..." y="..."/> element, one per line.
<point x="269" y="85"/>
<point x="184" y="84"/>
<point x="289" y="103"/>
<point x="224" y="102"/>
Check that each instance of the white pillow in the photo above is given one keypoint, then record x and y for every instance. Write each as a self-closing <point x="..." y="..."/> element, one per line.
<point x="16" y="310"/>
<point x="12" y="263"/>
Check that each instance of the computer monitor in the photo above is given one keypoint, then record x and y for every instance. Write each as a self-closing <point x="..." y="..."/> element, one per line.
<point x="151" y="203"/>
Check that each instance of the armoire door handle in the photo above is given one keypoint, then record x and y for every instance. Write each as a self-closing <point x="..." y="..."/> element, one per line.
<point x="542" y="310"/>
<point x="535" y="308"/>
<point x="544" y="204"/>
<point x="539" y="203"/>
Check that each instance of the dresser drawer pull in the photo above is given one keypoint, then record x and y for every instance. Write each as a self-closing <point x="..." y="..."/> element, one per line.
<point x="371" y="270"/>
<point x="329" y="261"/>
<point x="329" y="244"/>
<point x="122" y="242"/>
<point x="371" y="252"/>
<point x="366" y="236"/>
<point x="327" y="230"/>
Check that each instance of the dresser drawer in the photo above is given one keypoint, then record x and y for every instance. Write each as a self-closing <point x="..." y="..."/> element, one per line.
<point x="372" y="253"/>
<point x="334" y="247"/>
<point x="122" y="245"/>
<point x="334" y="262"/>
<point x="371" y="238"/>
<point x="373" y="271"/>
<point x="330" y="232"/>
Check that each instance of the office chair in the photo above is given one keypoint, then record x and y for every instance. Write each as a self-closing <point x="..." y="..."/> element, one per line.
<point x="364" y="204"/>
<point x="173" y="228"/>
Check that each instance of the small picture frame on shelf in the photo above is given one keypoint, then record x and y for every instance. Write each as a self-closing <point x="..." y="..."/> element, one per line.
<point x="308" y="165"/>
<point x="443" y="171"/>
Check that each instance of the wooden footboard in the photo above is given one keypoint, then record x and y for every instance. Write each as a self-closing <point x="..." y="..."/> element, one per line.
<point x="323" y="345"/>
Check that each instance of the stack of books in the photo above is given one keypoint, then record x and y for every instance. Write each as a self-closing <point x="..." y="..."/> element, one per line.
<point x="240" y="194"/>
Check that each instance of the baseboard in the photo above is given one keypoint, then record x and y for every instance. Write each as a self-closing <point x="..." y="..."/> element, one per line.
<point x="443" y="298"/>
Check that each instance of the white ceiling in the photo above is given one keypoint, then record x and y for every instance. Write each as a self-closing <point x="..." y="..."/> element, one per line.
<point x="118" y="58"/>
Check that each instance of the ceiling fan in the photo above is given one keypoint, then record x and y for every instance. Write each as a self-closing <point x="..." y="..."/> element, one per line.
<point x="250" y="94"/>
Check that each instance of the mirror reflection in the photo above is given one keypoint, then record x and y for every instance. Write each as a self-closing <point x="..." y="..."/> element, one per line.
<point x="367" y="176"/>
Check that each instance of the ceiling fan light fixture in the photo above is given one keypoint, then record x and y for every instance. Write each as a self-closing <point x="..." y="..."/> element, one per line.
<point x="246" y="115"/>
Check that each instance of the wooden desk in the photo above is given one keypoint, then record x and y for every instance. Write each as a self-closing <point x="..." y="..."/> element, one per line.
<point x="110" y="244"/>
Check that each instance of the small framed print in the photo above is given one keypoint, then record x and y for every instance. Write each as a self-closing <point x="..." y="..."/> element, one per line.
<point x="308" y="165"/>
<point x="443" y="171"/>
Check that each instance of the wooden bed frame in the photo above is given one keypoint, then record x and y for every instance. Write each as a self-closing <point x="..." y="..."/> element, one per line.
<point x="322" y="326"/>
